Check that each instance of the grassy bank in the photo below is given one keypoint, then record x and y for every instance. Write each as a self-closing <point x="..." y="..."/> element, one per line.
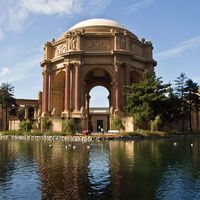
<point x="33" y="133"/>
<point x="135" y="133"/>
<point x="156" y="133"/>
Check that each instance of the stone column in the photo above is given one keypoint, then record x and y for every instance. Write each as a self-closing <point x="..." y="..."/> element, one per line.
<point x="117" y="86"/>
<point x="45" y="96"/>
<point x="127" y="82"/>
<point x="26" y="112"/>
<point x="67" y="88"/>
<point x="35" y="112"/>
<point x="87" y="100"/>
<point x="77" y="86"/>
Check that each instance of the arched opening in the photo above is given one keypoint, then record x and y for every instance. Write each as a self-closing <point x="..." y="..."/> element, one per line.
<point x="58" y="93"/>
<point x="99" y="108"/>
<point x="98" y="99"/>
<point x="135" y="77"/>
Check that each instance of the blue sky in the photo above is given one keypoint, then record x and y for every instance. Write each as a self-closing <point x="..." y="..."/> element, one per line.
<point x="25" y="25"/>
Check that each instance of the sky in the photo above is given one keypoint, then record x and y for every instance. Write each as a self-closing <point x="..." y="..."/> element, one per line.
<point x="25" y="25"/>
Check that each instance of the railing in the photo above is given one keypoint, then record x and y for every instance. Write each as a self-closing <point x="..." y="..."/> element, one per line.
<point x="99" y="110"/>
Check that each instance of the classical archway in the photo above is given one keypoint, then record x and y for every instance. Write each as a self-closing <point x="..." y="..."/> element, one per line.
<point x="58" y="93"/>
<point x="97" y="118"/>
<point x="96" y="52"/>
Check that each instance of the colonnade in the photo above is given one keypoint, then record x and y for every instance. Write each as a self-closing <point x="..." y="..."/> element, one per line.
<point x="117" y="89"/>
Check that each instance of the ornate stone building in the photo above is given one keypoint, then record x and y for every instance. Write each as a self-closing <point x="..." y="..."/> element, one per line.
<point x="95" y="52"/>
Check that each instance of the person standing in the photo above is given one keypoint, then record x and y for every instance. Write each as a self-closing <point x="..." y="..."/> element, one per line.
<point x="102" y="130"/>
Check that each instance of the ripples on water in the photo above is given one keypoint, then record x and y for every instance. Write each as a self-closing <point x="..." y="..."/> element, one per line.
<point x="147" y="169"/>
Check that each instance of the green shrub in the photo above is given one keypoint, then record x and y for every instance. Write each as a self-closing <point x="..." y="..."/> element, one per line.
<point x="68" y="126"/>
<point x="118" y="123"/>
<point x="51" y="133"/>
<point x="12" y="132"/>
<point x="35" y="133"/>
<point x="156" y="124"/>
<point x="25" y="125"/>
<point x="46" y="123"/>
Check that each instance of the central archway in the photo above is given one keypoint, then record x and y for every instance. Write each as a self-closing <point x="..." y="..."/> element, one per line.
<point x="99" y="109"/>
<point x="98" y="117"/>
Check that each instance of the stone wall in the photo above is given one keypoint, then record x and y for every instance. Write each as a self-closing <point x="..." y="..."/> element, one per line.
<point x="14" y="124"/>
<point x="57" y="124"/>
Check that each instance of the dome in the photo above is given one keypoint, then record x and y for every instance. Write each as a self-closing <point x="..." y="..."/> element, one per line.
<point x="94" y="23"/>
<point x="97" y="22"/>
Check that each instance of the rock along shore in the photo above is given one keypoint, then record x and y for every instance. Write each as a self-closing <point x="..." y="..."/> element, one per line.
<point x="93" y="138"/>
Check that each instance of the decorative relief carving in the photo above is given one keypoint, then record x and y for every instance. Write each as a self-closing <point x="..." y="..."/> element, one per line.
<point x="134" y="48"/>
<point x="72" y="41"/>
<point x="58" y="50"/>
<point x="98" y="45"/>
<point x="121" y="41"/>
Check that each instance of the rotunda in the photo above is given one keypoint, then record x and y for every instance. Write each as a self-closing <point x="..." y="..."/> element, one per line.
<point x="95" y="52"/>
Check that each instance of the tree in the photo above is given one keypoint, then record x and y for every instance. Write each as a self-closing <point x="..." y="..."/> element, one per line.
<point x="180" y="92"/>
<point x="6" y="98"/>
<point x="192" y="99"/>
<point x="68" y="125"/>
<point x="21" y="113"/>
<point x="118" y="123"/>
<point x="147" y="99"/>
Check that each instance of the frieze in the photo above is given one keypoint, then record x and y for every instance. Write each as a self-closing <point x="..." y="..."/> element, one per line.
<point x="121" y="41"/>
<point x="60" y="49"/>
<point x="134" y="48"/>
<point x="98" y="45"/>
<point x="73" y="40"/>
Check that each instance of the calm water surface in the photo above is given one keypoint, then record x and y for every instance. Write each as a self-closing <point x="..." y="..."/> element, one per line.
<point x="146" y="169"/>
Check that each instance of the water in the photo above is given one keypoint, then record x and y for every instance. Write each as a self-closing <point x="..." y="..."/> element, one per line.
<point x="146" y="169"/>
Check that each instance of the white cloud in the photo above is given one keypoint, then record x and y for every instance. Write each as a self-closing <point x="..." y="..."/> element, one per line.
<point x="137" y="6"/>
<point x="1" y="35"/>
<point x="14" y="14"/>
<point x="4" y="71"/>
<point x="69" y="7"/>
<point x="180" y="48"/>
<point x="50" y="6"/>
<point x="23" y="69"/>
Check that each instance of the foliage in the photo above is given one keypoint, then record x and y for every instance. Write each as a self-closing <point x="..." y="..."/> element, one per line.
<point x="68" y="125"/>
<point x="30" y="112"/>
<point x="25" y="125"/>
<point x="143" y="133"/>
<point x="11" y="132"/>
<point x="21" y="112"/>
<point x="156" y="124"/>
<point x="180" y="92"/>
<point x="13" y="111"/>
<point x="147" y="99"/>
<point x="6" y="98"/>
<point x="192" y="99"/>
<point x="51" y="133"/>
<point x="35" y="133"/>
<point x="118" y="123"/>
<point x="46" y="123"/>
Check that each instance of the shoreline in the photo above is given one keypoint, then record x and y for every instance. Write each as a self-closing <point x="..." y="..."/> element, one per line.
<point x="93" y="138"/>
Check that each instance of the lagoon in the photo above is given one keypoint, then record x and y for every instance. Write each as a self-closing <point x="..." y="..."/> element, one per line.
<point x="143" y="169"/>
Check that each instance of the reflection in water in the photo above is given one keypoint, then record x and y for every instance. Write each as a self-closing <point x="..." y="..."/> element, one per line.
<point x="146" y="169"/>
<point x="99" y="176"/>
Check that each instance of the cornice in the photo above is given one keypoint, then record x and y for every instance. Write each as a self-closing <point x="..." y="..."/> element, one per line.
<point x="45" y="62"/>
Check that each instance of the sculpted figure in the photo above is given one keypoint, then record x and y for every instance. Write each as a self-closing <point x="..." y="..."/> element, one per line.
<point x="53" y="113"/>
<point x="72" y="42"/>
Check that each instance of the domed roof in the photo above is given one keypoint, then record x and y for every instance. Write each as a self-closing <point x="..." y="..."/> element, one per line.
<point x="97" y="22"/>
